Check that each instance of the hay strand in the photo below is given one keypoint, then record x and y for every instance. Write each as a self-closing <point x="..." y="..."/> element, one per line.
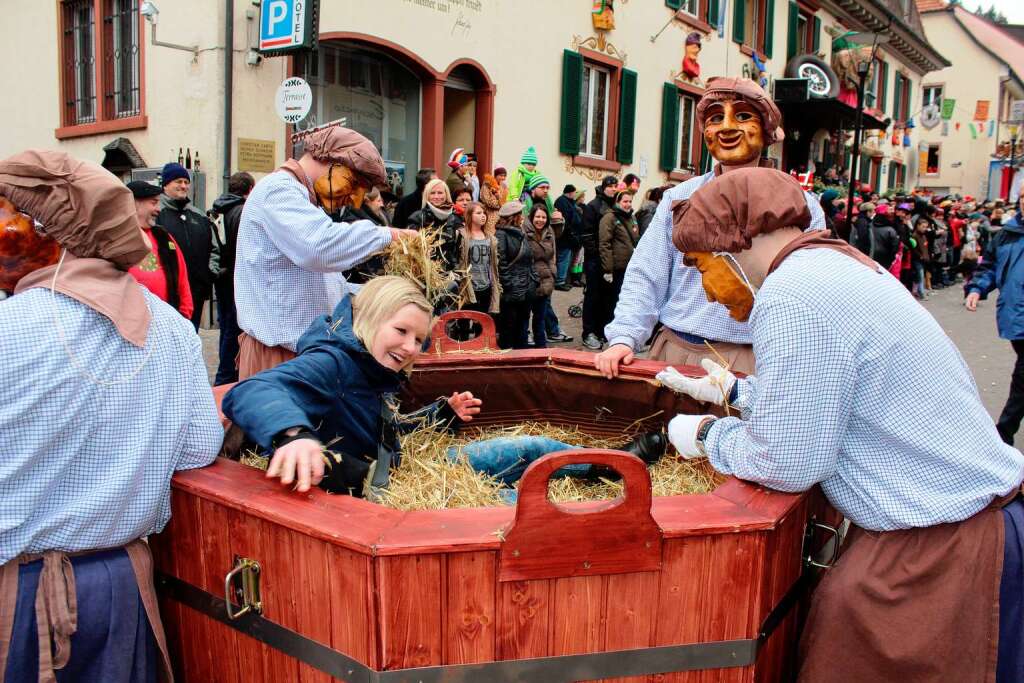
<point x="413" y="258"/>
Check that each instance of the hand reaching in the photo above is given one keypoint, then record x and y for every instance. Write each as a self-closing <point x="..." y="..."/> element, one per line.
<point x="303" y="458"/>
<point x="465" y="405"/>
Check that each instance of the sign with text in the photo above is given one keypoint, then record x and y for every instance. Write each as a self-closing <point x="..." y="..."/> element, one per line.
<point x="948" y="105"/>
<point x="293" y="100"/>
<point x="257" y="156"/>
<point x="288" y="26"/>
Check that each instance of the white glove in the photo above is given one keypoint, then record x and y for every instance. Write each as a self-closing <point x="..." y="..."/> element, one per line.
<point x="714" y="387"/>
<point x="609" y="278"/>
<point x="682" y="432"/>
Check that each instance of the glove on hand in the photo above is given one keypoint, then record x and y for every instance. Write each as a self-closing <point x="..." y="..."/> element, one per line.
<point x="609" y="278"/>
<point x="714" y="387"/>
<point x="682" y="432"/>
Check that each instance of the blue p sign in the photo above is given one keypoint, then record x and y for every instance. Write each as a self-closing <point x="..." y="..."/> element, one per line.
<point x="283" y="23"/>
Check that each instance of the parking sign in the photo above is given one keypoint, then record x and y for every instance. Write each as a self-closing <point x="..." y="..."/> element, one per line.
<point x="287" y="26"/>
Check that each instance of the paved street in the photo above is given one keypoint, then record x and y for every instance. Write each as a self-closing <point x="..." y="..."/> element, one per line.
<point x="989" y="357"/>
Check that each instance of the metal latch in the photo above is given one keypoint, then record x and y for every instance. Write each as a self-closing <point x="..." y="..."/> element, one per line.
<point x="242" y="587"/>
<point x="830" y="549"/>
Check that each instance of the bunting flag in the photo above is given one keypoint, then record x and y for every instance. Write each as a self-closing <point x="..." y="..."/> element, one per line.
<point x="945" y="129"/>
<point x="957" y="126"/>
<point x="991" y="128"/>
<point x="974" y="131"/>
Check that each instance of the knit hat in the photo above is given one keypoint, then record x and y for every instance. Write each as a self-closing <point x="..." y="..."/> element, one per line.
<point x="172" y="172"/>
<point x="510" y="209"/>
<point x="727" y="214"/>
<point x="499" y="169"/>
<point x="882" y="210"/>
<point x="829" y="195"/>
<point x="609" y="180"/>
<point x="143" y="190"/>
<point x="529" y="156"/>
<point x="568" y="188"/>
<point x="538" y="180"/>
<point x="457" y="159"/>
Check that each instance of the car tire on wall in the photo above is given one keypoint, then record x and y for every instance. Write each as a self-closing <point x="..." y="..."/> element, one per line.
<point x="824" y="82"/>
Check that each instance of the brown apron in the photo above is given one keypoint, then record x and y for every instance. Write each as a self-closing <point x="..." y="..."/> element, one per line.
<point x="909" y="605"/>
<point x="57" y="606"/>
<point x="254" y="356"/>
<point x="672" y="349"/>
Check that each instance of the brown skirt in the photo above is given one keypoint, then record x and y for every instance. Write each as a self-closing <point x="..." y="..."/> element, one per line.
<point x="909" y="605"/>
<point x="668" y="347"/>
<point x="254" y="356"/>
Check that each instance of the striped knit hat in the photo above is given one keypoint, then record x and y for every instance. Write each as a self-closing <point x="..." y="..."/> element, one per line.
<point x="538" y="180"/>
<point x="529" y="156"/>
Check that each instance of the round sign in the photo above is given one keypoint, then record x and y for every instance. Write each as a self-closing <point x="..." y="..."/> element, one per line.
<point x="930" y="116"/>
<point x="294" y="99"/>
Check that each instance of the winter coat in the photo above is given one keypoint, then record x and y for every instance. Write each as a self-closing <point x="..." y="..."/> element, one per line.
<point x="883" y="241"/>
<point x="373" y="266"/>
<point x="468" y="295"/>
<point x="335" y="389"/>
<point x="617" y="238"/>
<point x="595" y="209"/>
<point x="407" y="206"/>
<point x="518" y="181"/>
<point x="229" y="207"/>
<point x="193" y="232"/>
<point x="456" y="182"/>
<point x="1002" y="268"/>
<point x="859" y="233"/>
<point x="517" y="276"/>
<point x="542" y="246"/>
<point x="490" y="197"/>
<point x="570" y="237"/>
<point x="645" y="215"/>
<point x="449" y="231"/>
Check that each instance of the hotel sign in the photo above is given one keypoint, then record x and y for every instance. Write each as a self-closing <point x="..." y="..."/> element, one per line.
<point x="288" y="26"/>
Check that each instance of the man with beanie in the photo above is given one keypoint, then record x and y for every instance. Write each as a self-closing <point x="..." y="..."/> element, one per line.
<point x="458" y="178"/>
<point x="844" y="355"/>
<point x="738" y="121"/>
<point x="569" y="241"/>
<point x="291" y="255"/>
<point x="103" y="396"/>
<point x="522" y="175"/>
<point x="193" y="232"/>
<point x="597" y="292"/>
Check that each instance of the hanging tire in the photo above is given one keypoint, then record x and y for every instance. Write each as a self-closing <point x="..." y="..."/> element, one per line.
<point x="824" y="82"/>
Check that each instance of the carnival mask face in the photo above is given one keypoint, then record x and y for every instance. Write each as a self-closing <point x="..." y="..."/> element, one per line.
<point x="22" y="248"/>
<point x="340" y="187"/>
<point x="724" y="281"/>
<point x="733" y="132"/>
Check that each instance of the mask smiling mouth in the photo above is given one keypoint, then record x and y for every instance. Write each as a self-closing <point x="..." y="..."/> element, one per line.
<point x="730" y="138"/>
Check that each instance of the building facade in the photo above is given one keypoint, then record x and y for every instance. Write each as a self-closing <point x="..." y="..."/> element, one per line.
<point x="595" y="86"/>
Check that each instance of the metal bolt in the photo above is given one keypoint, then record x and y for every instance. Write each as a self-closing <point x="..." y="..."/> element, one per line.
<point x="586" y="565"/>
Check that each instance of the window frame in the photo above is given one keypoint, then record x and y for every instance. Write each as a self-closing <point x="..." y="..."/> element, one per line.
<point x="695" y="139"/>
<point x="586" y="133"/>
<point x="938" y="158"/>
<point x="701" y="20"/>
<point x="614" y="67"/>
<point x="697" y="144"/>
<point x="748" y="46"/>
<point x="941" y="87"/>
<point x="874" y="87"/>
<point x="105" y="104"/>
<point x="901" y="107"/>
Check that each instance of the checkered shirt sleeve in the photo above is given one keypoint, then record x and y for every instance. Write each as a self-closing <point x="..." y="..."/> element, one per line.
<point x="87" y="466"/>
<point x="859" y="389"/>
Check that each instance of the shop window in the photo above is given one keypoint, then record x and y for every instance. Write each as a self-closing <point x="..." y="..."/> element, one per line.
<point x="752" y="21"/>
<point x="598" y="110"/>
<point x="101" y="66"/>
<point x="932" y="165"/>
<point x="933" y="95"/>
<point x="594" y="113"/>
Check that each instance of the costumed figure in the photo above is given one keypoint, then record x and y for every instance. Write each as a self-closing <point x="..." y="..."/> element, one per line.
<point x="603" y="15"/>
<point x="291" y="255"/>
<point x="522" y="176"/>
<point x="738" y="120"/>
<point x="103" y="395"/>
<point x="844" y="355"/>
<point x="341" y="388"/>
<point x="691" y="67"/>
<point x="845" y="57"/>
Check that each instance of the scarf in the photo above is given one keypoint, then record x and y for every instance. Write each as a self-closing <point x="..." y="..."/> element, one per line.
<point x="440" y="212"/>
<point x="292" y="168"/>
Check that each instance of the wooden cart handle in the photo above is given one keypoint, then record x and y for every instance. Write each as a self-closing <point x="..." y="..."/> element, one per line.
<point x="441" y="342"/>
<point x="547" y="541"/>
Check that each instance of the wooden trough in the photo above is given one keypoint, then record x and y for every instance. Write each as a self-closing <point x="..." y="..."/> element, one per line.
<point x="683" y="588"/>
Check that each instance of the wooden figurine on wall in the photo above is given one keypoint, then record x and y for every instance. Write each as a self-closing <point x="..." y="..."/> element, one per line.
<point x="603" y="15"/>
<point x="691" y="65"/>
<point x="760" y="70"/>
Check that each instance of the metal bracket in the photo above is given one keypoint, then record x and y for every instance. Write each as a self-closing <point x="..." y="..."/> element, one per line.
<point x="830" y="549"/>
<point x="247" y="593"/>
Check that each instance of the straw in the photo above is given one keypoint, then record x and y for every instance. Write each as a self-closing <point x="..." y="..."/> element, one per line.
<point x="413" y="258"/>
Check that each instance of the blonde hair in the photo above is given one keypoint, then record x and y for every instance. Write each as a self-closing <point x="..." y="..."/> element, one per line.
<point x="430" y="186"/>
<point x="378" y="300"/>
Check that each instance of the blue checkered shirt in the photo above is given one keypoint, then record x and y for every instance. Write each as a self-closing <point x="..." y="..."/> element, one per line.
<point x="658" y="286"/>
<point x="84" y="466"/>
<point x="858" y="388"/>
<point x="290" y="258"/>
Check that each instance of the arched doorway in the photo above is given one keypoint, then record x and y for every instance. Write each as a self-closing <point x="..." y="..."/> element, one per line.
<point x="468" y="119"/>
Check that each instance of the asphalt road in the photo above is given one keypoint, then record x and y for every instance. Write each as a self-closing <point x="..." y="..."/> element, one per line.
<point x="990" y="358"/>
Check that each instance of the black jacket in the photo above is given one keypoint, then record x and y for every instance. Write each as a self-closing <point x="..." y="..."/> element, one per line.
<point x="193" y="232"/>
<point x="518" y="277"/>
<point x="373" y="266"/>
<point x="859" y="233"/>
<point x="572" y="232"/>
<point x="595" y="209"/>
<point x="407" y="206"/>
<point x="229" y="206"/>
<point x="883" y="241"/>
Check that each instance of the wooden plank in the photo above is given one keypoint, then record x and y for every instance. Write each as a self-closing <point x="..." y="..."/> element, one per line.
<point x="188" y="566"/>
<point x="524" y="615"/>
<point x="353" y="605"/>
<point x="630" y="614"/>
<point x="280" y="586"/>
<point x="577" y="604"/>
<point x="411" y="610"/>
<point x="218" y="560"/>
<point x="470" y="611"/>
<point x="244" y="535"/>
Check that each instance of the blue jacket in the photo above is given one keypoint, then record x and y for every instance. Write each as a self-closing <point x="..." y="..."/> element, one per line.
<point x="335" y="389"/>
<point x="1002" y="268"/>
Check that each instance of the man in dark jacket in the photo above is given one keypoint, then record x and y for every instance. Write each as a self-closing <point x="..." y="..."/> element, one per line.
<point x="597" y="294"/>
<point x="229" y="207"/>
<point x="412" y="202"/>
<point x="859" y="234"/>
<point x="193" y="232"/>
<point x="569" y="241"/>
<point x="883" y="238"/>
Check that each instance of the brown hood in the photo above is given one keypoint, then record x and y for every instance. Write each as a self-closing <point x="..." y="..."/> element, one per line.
<point x="334" y="144"/>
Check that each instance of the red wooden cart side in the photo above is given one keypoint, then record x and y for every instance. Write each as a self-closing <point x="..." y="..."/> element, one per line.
<point x="399" y="590"/>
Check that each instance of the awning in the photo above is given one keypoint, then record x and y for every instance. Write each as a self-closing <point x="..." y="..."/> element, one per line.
<point x="120" y="153"/>
<point x="815" y="113"/>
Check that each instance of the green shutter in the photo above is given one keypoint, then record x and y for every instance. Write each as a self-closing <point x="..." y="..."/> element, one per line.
<point x="705" y="157"/>
<point x="793" y="39"/>
<point x="883" y="87"/>
<point x="673" y="4"/>
<point x="816" y="36"/>
<point x="572" y="102"/>
<point x="897" y="95"/>
<point x="769" y="28"/>
<point x="627" y="116"/>
<point x="713" y="13"/>
<point x="669" y="126"/>
<point x="739" y="8"/>
<point x="910" y="94"/>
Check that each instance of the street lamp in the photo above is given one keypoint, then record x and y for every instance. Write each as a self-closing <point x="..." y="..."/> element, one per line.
<point x="863" y="69"/>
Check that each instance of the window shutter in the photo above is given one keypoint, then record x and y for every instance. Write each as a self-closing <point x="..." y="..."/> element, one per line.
<point x="627" y="116"/>
<point x="739" y="10"/>
<point x="669" y="126"/>
<point x="897" y="95"/>
<point x="572" y="102"/>
<point x="713" y="13"/>
<point x="673" y="4"/>
<point x="816" y="36"/>
<point x="883" y="95"/>
<point x="705" y="157"/>
<point x="793" y="39"/>
<point x="769" y="28"/>
<point x="910" y="93"/>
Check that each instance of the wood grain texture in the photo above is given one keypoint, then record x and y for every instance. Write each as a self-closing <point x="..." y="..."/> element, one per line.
<point x="354" y="615"/>
<point x="470" y="616"/>
<point x="411" y="610"/>
<point x="630" y="614"/>
<point x="524" y="617"/>
<point x="314" y="598"/>
<point x="577" y="608"/>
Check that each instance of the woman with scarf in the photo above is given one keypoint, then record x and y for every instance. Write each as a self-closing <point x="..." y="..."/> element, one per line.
<point x="439" y="213"/>
<point x="617" y="238"/>
<point x="541" y="236"/>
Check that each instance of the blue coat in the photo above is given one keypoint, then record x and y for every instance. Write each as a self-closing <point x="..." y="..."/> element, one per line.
<point x="1002" y="268"/>
<point x="333" y="388"/>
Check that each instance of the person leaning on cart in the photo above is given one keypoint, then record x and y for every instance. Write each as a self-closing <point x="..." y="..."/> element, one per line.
<point x="103" y="395"/>
<point x="930" y="584"/>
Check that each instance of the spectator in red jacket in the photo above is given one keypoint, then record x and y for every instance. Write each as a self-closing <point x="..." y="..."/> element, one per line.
<point x="163" y="270"/>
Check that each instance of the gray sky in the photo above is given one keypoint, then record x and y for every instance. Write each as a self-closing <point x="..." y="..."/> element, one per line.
<point x="1013" y="9"/>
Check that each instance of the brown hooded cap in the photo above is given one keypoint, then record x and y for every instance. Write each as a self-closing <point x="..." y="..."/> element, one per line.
<point x="335" y="144"/>
<point x="727" y="213"/>
<point x="81" y="205"/>
<point x="721" y="88"/>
